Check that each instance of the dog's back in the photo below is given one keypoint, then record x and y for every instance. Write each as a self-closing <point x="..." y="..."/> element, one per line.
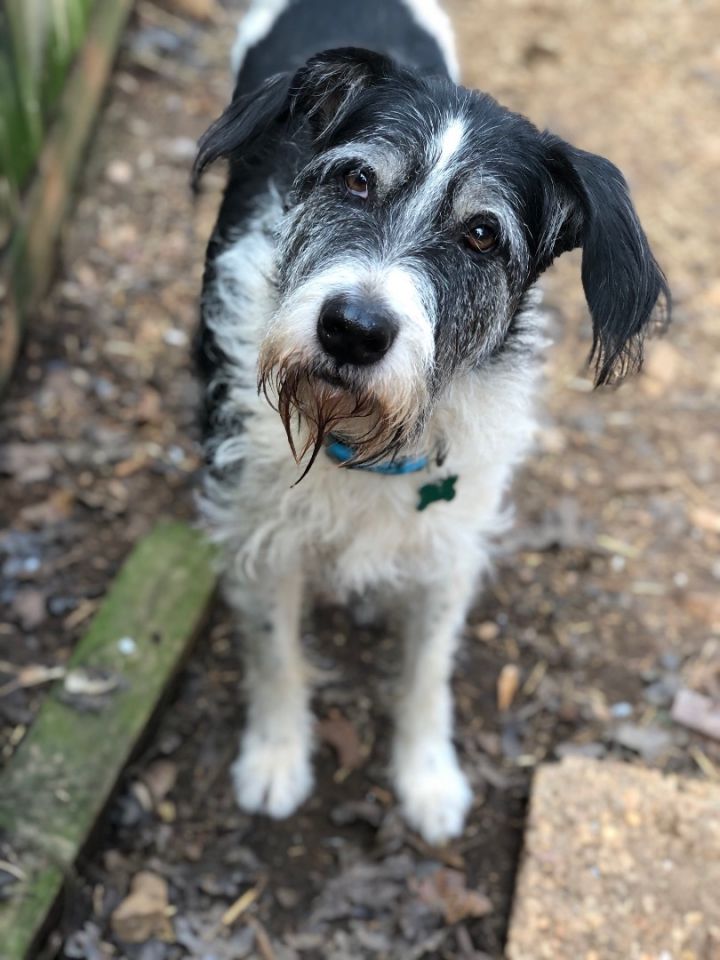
<point x="279" y="35"/>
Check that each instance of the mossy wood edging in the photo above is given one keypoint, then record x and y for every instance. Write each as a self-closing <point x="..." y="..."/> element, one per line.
<point x="26" y="264"/>
<point x="63" y="773"/>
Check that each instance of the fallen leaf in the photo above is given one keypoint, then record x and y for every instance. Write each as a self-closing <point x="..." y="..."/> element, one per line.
<point x="507" y="686"/>
<point x="28" y="462"/>
<point x="160" y="778"/>
<point x="341" y="735"/>
<point x="197" y="9"/>
<point x="705" y="606"/>
<point x="663" y="365"/>
<point x="705" y="519"/>
<point x="144" y="913"/>
<point x="57" y="507"/>
<point x="29" y="608"/>
<point x="445" y="891"/>
<point x="32" y="676"/>
<point x="90" y="682"/>
<point x="649" y="741"/>
<point x="149" y="406"/>
<point x="697" y="712"/>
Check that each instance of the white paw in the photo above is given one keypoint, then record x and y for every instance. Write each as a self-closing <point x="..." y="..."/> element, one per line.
<point x="272" y="776"/>
<point x="433" y="791"/>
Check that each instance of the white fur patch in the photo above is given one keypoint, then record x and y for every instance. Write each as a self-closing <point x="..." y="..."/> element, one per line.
<point x="449" y="143"/>
<point x="257" y="23"/>
<point x="254" y="27"/>
<point x="431" y="16"/>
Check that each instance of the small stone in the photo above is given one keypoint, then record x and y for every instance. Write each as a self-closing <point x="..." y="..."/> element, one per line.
<point x="119" y="172"/>
<point x="661" y="693"/>
<point x="127" y="646"/>
<point x="487" y="631"/>
<point x="649" y="741"/>
<point x="287" y="898"/>
<point x="697" y="712"/>
<point x="29" y="608"/>
<point x="174" y="337"/>
<point x="593" y="750"/>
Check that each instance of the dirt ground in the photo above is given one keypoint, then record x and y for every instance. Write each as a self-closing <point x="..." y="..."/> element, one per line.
<point x="605" y="597"/>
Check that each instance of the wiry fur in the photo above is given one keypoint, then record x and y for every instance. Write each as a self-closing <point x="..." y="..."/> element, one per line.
<point x="457" y="384"/>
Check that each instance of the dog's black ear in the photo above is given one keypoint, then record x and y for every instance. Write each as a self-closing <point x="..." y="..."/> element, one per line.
<point x="243" y="124"/>
<point x="589" y="206"/>
<point x="318" y="92"/>
<point x="329" y="82"/>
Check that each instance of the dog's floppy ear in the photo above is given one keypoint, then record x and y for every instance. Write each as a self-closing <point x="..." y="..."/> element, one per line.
<point x="590" y="207"/>
<point x="318" y="92"/>
<point x="328" y="83"/>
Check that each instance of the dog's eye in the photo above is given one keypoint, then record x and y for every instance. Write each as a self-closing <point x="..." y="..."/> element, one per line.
<point x="357" y="182"/>
<point x="481" y="238"/>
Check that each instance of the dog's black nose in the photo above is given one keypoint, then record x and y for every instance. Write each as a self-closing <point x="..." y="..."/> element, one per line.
<point x="354" y="333"/>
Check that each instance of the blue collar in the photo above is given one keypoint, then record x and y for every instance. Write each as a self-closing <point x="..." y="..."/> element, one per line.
<point x="342" y="453"/>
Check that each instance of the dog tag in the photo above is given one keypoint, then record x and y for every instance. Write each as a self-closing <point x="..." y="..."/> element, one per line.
<point x="440" y="490"/>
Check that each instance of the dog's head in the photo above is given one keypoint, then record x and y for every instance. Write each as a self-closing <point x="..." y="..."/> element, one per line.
<point x="420" y="215"/>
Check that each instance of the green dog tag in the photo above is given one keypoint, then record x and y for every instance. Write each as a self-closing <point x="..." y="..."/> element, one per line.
<point x="440" y="490"/>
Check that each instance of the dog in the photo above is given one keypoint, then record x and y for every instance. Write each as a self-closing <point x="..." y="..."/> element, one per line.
<point x="369" y="345"/>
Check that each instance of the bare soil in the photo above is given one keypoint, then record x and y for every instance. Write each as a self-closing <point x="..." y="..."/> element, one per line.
<point x="604" y="599"/>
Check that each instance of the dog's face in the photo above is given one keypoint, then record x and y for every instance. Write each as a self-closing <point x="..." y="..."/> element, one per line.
<point x="419" y="217"/>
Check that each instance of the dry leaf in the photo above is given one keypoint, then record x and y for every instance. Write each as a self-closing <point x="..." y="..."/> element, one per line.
<point x="705" y="606"/>
<point x="90" y="682"/>
<point x="32" y="676"/>
<point x="342" y="736"/>
<point x="697" y="712"/>
<point x="144" y="913"/>
<point x="57" y="507"/>
<point x="663" y="366"/>
<point x="446" y="892"/>
<point x="507" y="686"/>
<point x="28" y="462"/>
<point x="198" y="9"/>
<point x="160" y="778"/>
<point x="29" y="607"/>
<point x="705" y="519"/>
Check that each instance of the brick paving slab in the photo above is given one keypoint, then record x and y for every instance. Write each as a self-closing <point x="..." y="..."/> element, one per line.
<point x="620" y="862"/>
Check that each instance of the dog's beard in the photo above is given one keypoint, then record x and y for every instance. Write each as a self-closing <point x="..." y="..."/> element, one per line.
<point x="311" y="409"/>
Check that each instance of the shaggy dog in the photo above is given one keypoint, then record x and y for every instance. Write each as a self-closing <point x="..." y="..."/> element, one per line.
<point x="370" y="343"/>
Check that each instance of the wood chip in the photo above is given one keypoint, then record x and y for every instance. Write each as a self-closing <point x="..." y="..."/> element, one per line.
<point x="507" y="686"/>
<point x="247" y="899"/>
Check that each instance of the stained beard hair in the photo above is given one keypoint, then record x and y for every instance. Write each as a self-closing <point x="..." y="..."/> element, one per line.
<point x="311" y="410"/>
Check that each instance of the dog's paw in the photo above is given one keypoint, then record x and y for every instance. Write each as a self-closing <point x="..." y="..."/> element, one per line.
<point x="272" y="776"/>
<point x="434" y="793"/>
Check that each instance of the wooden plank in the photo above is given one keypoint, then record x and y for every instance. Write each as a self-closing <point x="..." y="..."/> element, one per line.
<point x="63" y="773"/>
<point x="26" y="267"/>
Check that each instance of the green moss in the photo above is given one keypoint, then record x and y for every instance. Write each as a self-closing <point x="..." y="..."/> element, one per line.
<point x="64" y="771"/>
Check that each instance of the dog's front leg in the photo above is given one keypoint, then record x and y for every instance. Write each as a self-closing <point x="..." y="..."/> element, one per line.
<point x="432" y="788"/>
<point x="273" y="773"/>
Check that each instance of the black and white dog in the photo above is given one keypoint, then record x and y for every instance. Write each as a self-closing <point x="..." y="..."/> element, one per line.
<point x="369" y="328"/>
